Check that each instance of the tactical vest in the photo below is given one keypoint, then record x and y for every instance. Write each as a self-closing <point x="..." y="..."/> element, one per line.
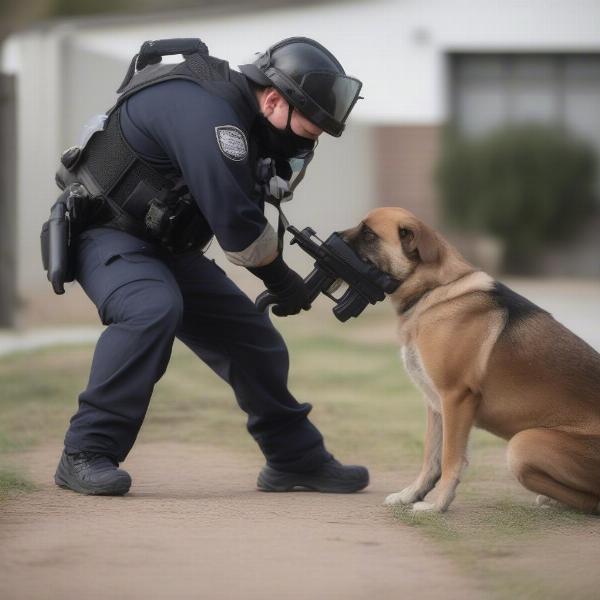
<point x="126" y="191"/>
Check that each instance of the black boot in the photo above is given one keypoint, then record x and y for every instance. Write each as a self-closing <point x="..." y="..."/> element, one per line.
<point x="91" y="473"/>
<point x="331" y="477"/>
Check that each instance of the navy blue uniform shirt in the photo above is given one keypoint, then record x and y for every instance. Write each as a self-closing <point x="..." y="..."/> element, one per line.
<point x="178" y="126"/>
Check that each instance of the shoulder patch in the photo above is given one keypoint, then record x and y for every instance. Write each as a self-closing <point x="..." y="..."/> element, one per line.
<point x="232" y="142"/>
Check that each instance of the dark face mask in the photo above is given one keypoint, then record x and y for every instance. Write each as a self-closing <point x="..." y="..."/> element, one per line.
<point x="283" y="143"/>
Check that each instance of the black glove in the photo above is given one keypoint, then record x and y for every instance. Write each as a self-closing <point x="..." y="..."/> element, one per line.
<point x="291" y="294"/>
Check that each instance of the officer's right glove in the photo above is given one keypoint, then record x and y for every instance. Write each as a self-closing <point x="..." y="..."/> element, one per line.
<point x="287" y="287"/>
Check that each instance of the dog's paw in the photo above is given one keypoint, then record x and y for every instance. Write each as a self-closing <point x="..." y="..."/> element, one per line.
<point x="424" y="506"/>
<point x="542" y="501"/>
<point x="546" y="502"/>
<point x="406" y="496"/>
<point x="393" y="499"/>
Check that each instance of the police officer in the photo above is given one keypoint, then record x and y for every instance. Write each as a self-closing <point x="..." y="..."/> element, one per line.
<point x="190" y="151"/>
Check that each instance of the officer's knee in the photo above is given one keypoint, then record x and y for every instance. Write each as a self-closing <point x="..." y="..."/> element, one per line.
<point x="147" y="304"/>
<point x="162" y="306"/>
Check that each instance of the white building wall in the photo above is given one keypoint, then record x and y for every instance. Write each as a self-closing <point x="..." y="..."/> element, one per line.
<point x="90" y="81"/>
<point x="39" y="134"/>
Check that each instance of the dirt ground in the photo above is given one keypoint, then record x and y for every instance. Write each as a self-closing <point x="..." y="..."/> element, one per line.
<point x="194" y="526"/>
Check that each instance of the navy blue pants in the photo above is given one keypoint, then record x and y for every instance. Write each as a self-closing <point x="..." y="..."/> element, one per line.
<point x="147" y="297"/>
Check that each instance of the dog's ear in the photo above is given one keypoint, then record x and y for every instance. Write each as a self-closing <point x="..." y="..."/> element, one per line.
<point x="420" y="240"/>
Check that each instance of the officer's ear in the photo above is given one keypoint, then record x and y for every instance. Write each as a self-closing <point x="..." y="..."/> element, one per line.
<point x="269" y="101"/>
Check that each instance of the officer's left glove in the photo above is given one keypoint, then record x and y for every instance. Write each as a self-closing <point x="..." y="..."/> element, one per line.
<point x="290" y="294"/>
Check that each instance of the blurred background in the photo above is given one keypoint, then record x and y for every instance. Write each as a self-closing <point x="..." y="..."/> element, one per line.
<point x="482" y="118"/>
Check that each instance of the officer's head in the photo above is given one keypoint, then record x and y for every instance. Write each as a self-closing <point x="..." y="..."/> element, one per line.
<point x="303" y="87"/>
<point x="277" y="110"/>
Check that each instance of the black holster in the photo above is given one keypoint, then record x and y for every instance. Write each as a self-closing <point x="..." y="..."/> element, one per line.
<point x="59" y="234"/>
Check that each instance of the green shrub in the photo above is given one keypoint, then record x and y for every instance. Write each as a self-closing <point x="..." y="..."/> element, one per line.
<point x="527" y="185"/>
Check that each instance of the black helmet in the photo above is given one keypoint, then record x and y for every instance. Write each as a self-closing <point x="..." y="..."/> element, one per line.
<point x="310" y="78"/>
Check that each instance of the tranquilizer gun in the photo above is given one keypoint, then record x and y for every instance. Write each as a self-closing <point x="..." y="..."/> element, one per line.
<point x="335" y="260"/>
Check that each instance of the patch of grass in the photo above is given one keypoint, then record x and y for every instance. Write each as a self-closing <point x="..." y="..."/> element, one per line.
<point x="11" y="481"/>
<point x="360" y="400"/>
<point x="39" y="392"/>
<point x="363" y="401"/>
<point x="435" y="525"/>
<point x="490" y="539"/>
<point x="490" y="524"/>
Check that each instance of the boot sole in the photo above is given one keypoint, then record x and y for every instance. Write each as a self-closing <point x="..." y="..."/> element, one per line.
<point x="117" y="488"/>
<point x="291" y="482"/>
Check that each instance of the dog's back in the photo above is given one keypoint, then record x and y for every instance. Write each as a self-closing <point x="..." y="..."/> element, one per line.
<point x="538" y="359"/>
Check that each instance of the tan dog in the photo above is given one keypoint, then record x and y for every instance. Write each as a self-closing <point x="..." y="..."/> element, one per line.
<point x="485" y="356"/>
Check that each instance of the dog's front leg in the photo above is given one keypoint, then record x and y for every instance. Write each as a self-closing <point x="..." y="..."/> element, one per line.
<point x="458" y="414"/>
<point x="432" y="464"/>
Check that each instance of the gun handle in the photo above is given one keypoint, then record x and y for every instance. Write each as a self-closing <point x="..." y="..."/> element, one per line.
<point x="264" y="300"/>
<point x="316" y="282"/>
<point x="349" y="305"/>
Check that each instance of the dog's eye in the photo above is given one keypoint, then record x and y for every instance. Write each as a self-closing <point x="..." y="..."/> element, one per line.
<point x="368" y="235"/>
<point x="404" y="233"/>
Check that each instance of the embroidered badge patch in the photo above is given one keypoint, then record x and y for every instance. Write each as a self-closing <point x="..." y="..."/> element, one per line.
<point x="232" y="142"/>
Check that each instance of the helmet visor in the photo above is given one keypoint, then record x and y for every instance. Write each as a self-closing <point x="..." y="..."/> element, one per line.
<point x="335" y="94"/>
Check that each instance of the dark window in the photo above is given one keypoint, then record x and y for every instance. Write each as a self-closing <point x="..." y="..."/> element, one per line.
<point x="488" y="90"/>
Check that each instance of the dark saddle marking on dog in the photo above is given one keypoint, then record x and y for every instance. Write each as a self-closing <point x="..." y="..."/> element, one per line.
<point x="517" y="307"/>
